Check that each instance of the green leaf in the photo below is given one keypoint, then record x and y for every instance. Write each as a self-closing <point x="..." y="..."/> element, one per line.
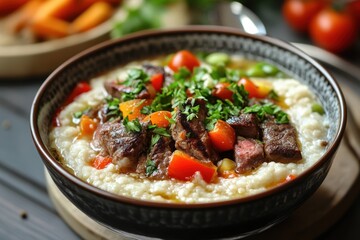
<point x="150" y="167"/>
<point x="132" y="126"/>
<point x="137" y="80"/>
<point x="268" y="109"/>
<point x="112" y="108"/>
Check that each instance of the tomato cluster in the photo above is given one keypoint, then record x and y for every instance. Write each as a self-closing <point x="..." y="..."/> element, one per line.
<point x="332" y="25"/>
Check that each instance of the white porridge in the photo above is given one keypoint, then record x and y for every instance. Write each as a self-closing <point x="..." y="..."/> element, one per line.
<point x="77" y="151"/>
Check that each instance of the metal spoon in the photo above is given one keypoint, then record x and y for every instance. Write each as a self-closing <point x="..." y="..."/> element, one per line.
<point x="234" y="14"/>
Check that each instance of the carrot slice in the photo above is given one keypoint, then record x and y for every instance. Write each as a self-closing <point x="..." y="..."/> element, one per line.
<point x="132" y="108"/>
<point x="183" y="167"/>
<point x="61" y="9"/>
<point x="19" y="19"/>
<point x="93" y="16"/>
<point x="159" y="118"/>
<point x="87" y="126"/>
<point x="51" y="27"/>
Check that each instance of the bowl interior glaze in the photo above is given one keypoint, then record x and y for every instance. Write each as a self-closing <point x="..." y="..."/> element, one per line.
<point x="261" y="210"/>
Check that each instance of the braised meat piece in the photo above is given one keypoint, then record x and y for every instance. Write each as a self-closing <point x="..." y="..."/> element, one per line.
<point x="159" y="156"/>
<point x="116" y="89"/>
<point x="249" y="154"/>
<point x="191" y="136"/>
<point x="152" y="70"/>
<point x="125" y="148"/>
<point x="100" y="112"/>
<point x="280" y="142"/>
<point x="245" y="125"/>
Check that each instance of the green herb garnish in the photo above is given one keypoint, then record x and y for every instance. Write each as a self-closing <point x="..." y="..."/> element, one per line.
<point x="150" y="167"/>
<point x="132" y="126"/>
<point x="112" y="108"/>
<point x="137" y="80"/>
<point x="268" y="109"/>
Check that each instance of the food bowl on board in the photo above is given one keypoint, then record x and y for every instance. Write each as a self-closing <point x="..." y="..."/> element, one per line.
<point x="216" y="219"/>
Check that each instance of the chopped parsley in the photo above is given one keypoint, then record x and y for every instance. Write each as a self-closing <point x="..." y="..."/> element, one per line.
<point x="157" y="133"/>
<point x="112" y="109"/>
<point x="191" y="110"/>
<point x="137" y="80"/>
<point x="150" y="167"/>
<point x="77" y="115"/>
<point x="220" y="110"/>
<point x="268" y="109"/>
<point x="132" y="126"/>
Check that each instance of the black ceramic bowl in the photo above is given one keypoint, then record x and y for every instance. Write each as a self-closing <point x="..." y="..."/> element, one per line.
<point x="237" y="217"/>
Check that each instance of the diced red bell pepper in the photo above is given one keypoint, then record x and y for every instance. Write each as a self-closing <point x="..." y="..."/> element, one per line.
<point x="183" y="167"/>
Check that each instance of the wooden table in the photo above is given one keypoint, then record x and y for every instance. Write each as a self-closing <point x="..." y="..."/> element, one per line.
<point x="26" y="211"/>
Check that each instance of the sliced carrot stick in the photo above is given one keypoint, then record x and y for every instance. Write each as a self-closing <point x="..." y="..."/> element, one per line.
<point x="8" y="6"/>
<point x="22" y="16"/>
<point x="93" y="16"/>
<point x="62" y="9"/>
<point x="50" y="28"/>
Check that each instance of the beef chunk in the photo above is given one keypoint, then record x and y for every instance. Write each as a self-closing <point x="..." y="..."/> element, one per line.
<point x="246" y="125"/>
<point x="116" y="89"/>
<point x="191" y="136"/>
<point x="160" y="156"/>
<point x="113" y="140"/>
<point x="99" y="112"/>
<point x="152" y="69"/>
<point x="249" y="154"/>
<point x="280" y="142"/>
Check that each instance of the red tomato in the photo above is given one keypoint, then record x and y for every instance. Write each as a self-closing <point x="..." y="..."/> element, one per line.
<point x="183" y="167"/>
<point x="79" y="89"/>
<point x="222" y="91"/>
<point x="298" y="13"/>
<point x="185" y="59"/>
<point x="157" y="81"/>
<point x="251" y="88"/>
<point x="333" y="30"/>
<point x="222" y="136"/>
<point x="100" y="162"/>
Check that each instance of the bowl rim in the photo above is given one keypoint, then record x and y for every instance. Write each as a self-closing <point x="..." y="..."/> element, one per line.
<point x="47" y="156"/>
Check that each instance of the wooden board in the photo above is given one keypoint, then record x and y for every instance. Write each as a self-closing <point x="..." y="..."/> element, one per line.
<point x="318" y="214"/>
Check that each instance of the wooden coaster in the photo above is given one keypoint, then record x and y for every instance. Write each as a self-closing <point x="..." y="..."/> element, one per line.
<point x="321" y="211"/>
